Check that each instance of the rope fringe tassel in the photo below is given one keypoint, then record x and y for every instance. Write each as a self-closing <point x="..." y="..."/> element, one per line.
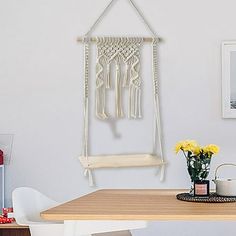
<point x="122" y="51"/>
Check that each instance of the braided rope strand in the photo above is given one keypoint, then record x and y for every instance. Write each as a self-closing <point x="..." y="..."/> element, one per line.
<point x="157" y="119"/>
<point x="86" y="94"/>
<point x="88" y="171"/>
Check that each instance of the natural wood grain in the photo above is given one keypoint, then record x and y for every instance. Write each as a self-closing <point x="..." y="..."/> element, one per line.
<point x="93" y="39"/>
<point x="116" y="161"/>
<point x="13" y="226"/>
<point x="139" y="205"/>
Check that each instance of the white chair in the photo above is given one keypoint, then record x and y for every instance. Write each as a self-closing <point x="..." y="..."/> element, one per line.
<point x="28" y="203"/>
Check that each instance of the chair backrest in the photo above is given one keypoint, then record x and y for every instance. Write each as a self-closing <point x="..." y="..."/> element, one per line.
<point x="28" y="203"/>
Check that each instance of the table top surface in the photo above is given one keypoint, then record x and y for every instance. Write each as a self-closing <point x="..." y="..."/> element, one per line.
<point x="138" y="205"/>
<point x="13" y="225"/>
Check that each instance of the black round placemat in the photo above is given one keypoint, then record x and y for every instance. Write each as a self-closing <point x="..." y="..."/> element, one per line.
<point x="213" y="198"/>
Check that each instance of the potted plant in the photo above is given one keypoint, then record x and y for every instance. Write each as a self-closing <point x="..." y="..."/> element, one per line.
<point x="198" y="159"/>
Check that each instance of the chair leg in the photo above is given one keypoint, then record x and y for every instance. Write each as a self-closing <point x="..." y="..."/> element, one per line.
<point x="117" y="233"/>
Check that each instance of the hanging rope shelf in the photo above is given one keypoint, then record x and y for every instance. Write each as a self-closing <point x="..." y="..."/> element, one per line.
<point x="124" y="54"/>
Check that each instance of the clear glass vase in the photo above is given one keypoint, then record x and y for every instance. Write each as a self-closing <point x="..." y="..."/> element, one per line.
<point x="198" y="169"/>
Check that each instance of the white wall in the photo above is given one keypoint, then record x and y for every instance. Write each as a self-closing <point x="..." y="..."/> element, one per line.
<point x="41" y="94"/>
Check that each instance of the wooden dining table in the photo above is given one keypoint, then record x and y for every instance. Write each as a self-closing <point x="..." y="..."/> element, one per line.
<point x="121" y="209"/>
<point x="138" y="204"/>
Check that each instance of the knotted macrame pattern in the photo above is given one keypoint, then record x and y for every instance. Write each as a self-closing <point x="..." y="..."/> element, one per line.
<point x="124" y="53"/>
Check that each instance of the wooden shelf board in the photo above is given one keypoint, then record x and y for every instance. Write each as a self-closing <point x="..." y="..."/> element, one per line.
<point x="120" y="161"/>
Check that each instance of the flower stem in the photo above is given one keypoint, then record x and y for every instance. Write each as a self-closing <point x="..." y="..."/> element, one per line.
<point x="184" y="154"/>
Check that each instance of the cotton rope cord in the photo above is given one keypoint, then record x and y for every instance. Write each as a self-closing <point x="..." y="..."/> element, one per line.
<point x="87" y="171"/>
<point x="124" y="52"/>
<point x="157" y="119"/>
<point x="143" y="18"/>
<point x="100" y="17"/>
<point x="135" y="7"/>
<point x="119" y="111"/>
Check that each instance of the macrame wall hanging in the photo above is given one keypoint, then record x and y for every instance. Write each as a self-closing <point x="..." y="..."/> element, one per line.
<point x="119" y="51"/>
<point x="124" y="53"/>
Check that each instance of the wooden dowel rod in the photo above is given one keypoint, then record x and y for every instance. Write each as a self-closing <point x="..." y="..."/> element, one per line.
<point x="145" y="39"/>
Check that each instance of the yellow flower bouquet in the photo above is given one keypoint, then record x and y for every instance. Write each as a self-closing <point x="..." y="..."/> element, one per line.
<point x="198" y="158"/>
